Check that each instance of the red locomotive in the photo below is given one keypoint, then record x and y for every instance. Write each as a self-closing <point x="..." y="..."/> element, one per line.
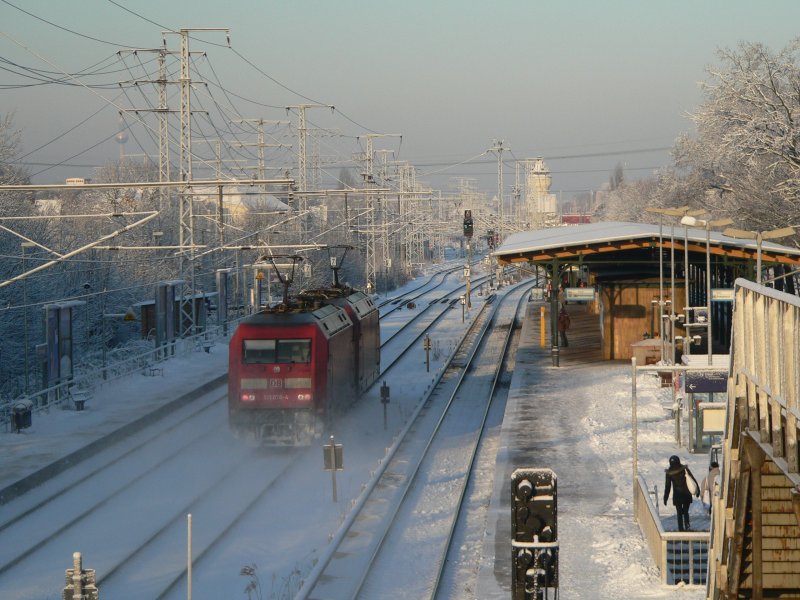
<point x="295" y="366"/>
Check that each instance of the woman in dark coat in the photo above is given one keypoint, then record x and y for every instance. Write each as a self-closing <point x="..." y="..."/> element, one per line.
<point x="675" y="479"/>
<point x="563" y="326"/>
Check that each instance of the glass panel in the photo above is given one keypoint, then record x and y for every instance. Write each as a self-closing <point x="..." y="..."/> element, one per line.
<point x="294" y="351"/>
<point x="259" y="351"/>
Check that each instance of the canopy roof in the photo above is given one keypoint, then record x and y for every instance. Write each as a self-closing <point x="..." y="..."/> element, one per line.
<point x="631" y="248"/>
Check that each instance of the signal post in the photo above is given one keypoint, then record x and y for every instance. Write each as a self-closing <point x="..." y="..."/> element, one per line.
<point x="534" y="534"/>
<point x="468" y="231"/>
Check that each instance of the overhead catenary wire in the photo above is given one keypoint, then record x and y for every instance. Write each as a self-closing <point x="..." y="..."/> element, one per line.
<point x="92" y="70"/>
<point x="40" y="57"/>
<point x="250" y="63"/>
<point x="233" y="153"/>
<point x="62" y="134"/>
<point x="57" y="26"/>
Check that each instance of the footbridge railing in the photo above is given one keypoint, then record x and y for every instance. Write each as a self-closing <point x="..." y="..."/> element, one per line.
<point x="755" y="545"/>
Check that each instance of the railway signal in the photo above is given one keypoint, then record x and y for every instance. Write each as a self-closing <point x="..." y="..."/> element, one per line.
<point x="468" y="224"/>
<point x="463" y="299"/>
<point x="534" y="529"/>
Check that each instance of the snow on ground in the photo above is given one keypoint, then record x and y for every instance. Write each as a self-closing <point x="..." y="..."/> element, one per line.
<point x="618" y="545"/>
<point x="576" y="420"/>
<point x="56" y="432"/>
<point x="603" y="553"/>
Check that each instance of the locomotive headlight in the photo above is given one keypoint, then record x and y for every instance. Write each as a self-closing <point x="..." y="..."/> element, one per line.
<point x="302" y="397"/>
<point x="248" y="397"/>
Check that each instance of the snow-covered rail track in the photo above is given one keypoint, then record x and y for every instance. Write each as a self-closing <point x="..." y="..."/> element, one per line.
<point x="56" y="500"/>
<point x="406" y="516"/>
<point x="132" y="511"/>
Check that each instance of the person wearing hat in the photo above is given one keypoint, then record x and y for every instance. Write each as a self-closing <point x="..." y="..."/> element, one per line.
<point x="680" y="480"/>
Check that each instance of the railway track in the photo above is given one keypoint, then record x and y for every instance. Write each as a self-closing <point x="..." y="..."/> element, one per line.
<point x="121" y="481"/>
<point x="60" y="491"/>
<point x="399" y="525"/>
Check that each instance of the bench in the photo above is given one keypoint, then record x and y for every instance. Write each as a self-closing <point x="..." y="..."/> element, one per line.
<point x="204" y="345"/>
<point x="152" y="370"/>
<point x="79" y="398"/>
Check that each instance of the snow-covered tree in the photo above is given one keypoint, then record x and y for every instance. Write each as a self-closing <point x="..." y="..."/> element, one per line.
<point x="747" y="150"/>
<point x="19" y="313"/>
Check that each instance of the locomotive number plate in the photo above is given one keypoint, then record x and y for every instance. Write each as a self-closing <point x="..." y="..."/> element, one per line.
<point x="275" y="383"/>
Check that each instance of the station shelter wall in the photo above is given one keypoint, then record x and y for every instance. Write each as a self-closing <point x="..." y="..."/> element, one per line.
<point x="629" y="313"/>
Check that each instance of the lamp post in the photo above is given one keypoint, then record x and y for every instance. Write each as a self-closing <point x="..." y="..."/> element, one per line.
<point x="679" y="211"/>
<point x="692" y="213"/>
<point x="660" y="212"/>
<point x="759" y="237"/>
<point x="693" y="222"/>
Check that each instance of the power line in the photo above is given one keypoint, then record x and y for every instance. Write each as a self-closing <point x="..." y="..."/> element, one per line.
<point x="59" y="136"/>
<point x="474" y="161"/>
<point x="253" y="65"/>
<point x="83" y="35"/>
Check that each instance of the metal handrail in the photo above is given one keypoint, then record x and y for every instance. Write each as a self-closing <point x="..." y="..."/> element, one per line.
<point x="94" y="378"/>
<point x="660" y="542"/>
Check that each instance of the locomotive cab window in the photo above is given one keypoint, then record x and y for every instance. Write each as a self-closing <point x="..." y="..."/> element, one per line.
<point x="259" y="351"/>
<point x="294" y="351"/>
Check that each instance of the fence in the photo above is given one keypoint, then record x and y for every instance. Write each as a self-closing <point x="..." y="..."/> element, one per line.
<point x="681" y="557"/>
<point x="77" y="390"/>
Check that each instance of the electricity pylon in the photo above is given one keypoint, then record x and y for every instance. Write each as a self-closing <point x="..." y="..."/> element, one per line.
<point x="188" y="312"/>
<point x="497" y="148"/>
<point x="302" y="169"/>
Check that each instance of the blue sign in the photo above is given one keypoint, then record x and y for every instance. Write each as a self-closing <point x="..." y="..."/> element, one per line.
<point x="698" y="382"/>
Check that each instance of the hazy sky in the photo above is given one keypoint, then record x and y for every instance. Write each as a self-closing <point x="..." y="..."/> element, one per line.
<point x="561" y="80"/>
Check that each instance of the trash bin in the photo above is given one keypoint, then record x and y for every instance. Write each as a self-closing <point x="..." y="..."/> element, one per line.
<point x="21" y="417"/>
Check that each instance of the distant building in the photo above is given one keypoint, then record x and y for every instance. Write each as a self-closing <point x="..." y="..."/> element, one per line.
<point x="77" y="181"/>
<point x="238" y="201"/>
<point x="542" y="205"/>
<point x="575" y="219"/>
<point x="48" y="206"/>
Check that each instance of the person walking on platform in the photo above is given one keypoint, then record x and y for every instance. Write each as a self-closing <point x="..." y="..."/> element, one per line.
<point x="563" y="325"/>
<point x="683" y="484"/>
<point x="707" y="487"/>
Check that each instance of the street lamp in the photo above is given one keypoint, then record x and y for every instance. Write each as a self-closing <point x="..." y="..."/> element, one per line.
<point x="679" y="211"/>
<point x="691" y="221"/>
<point x="682" y="211"/>
<point x="759" y="237"/>
<point x="660" y="212"/>
<point x="687" y="303"/>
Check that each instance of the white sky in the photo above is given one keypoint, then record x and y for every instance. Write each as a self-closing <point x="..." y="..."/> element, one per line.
<point x="568" y="79"/>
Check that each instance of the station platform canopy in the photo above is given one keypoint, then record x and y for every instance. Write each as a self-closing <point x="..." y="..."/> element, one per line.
<point x="626" y="250"/>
